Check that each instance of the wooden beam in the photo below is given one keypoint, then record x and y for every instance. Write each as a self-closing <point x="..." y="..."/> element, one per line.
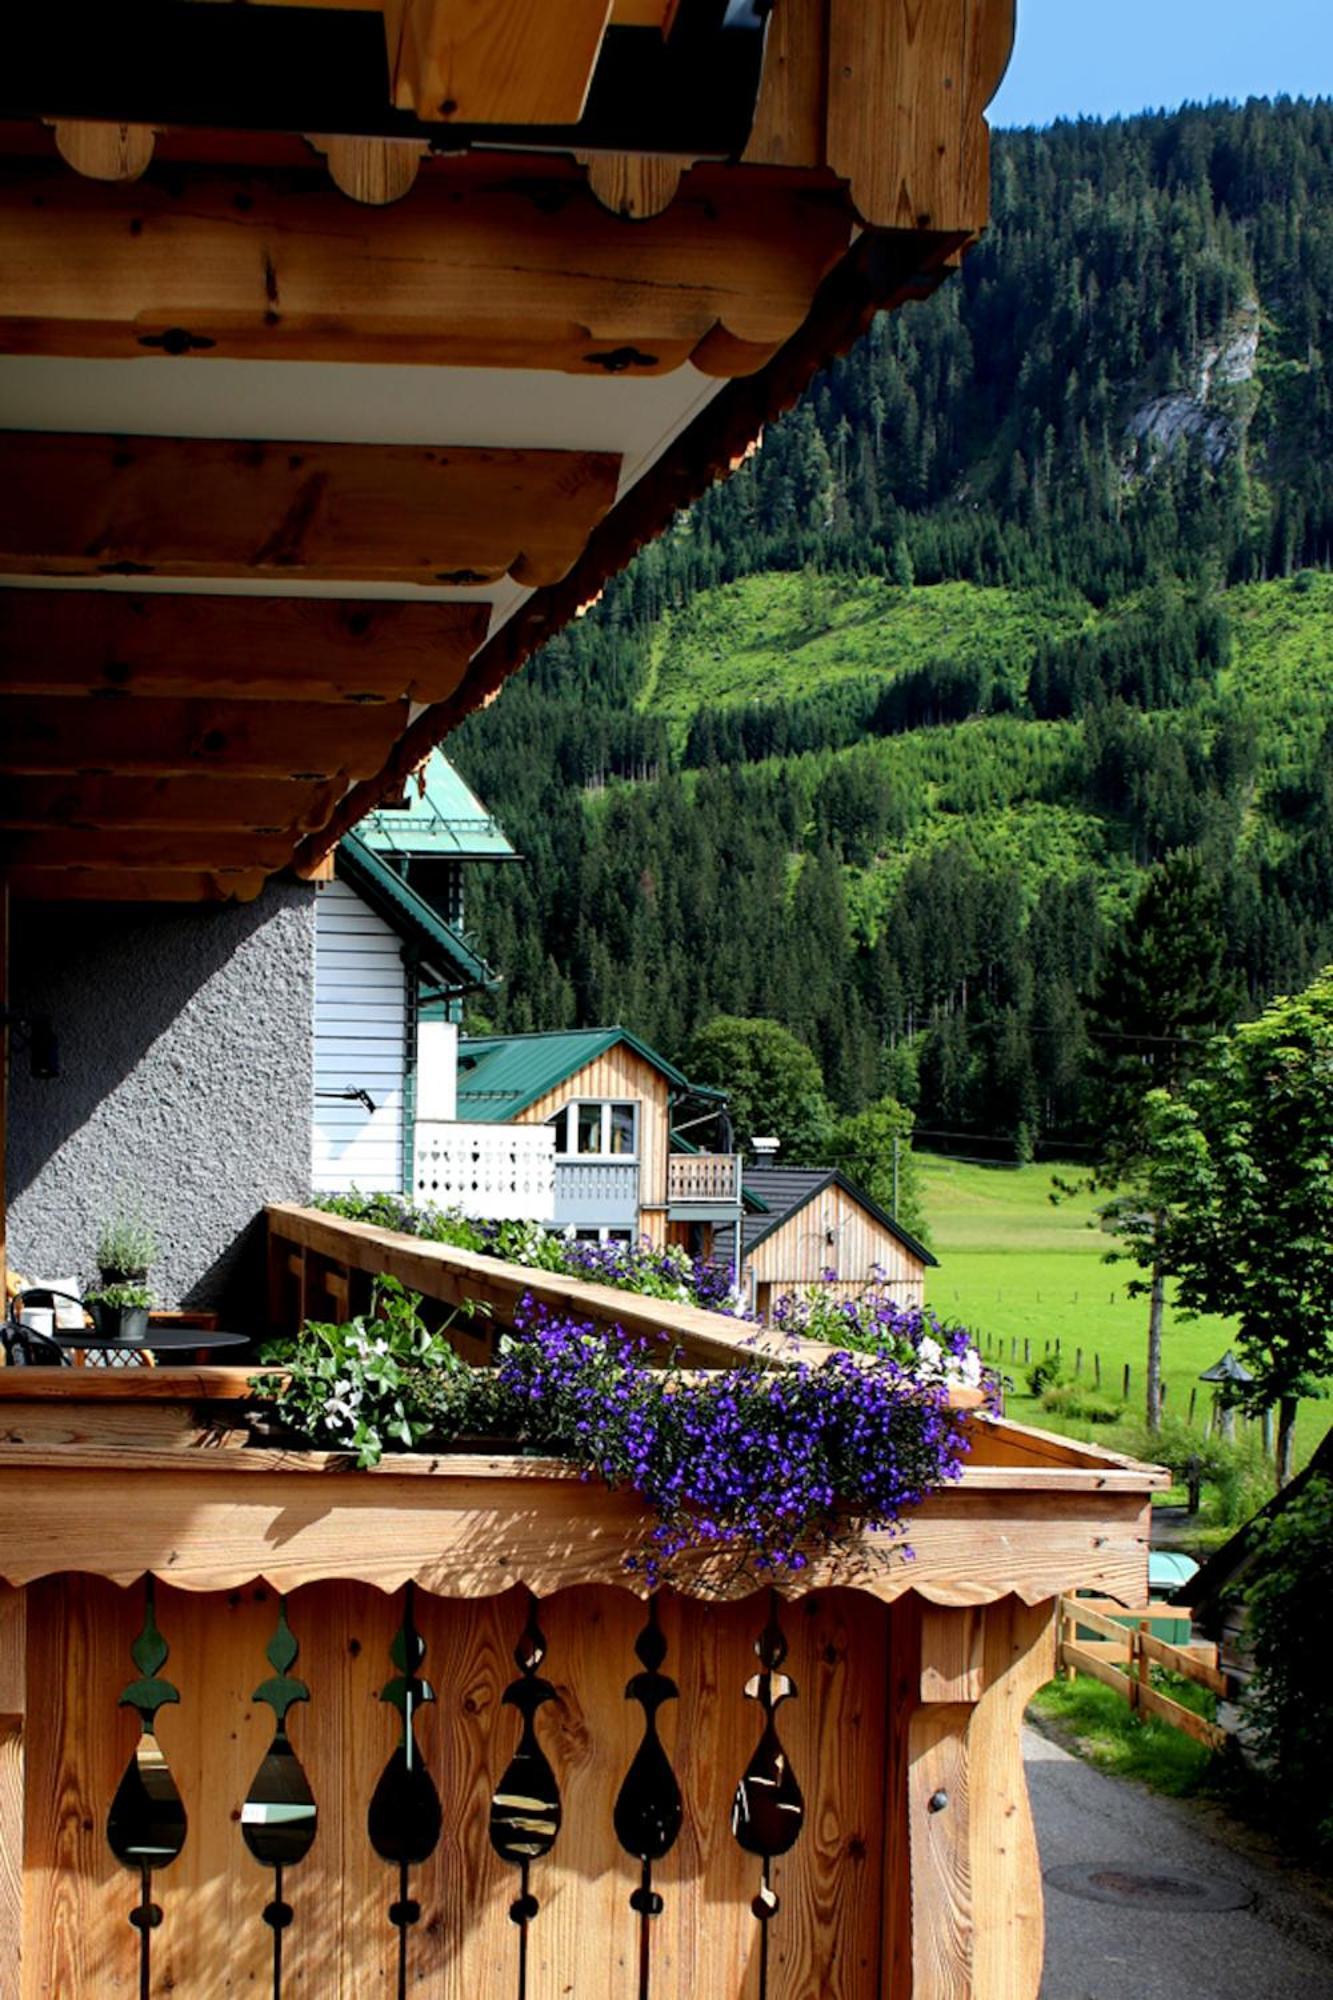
<point x="73" y="505"/>
<point x="244" y="739"/>
<point x="86" y="642"/>
<point x="143" y="885"/>
<point x="13" y="1711"/>
<point x="254" y="805"/>
<point x="494" y="62"/>
<point x="489" y="263"/>
<point x="57" y="849"/>
<point x="908" y="86"/>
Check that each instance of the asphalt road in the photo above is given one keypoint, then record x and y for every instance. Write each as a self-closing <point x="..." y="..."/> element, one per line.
<point x="1156" y="1861"/>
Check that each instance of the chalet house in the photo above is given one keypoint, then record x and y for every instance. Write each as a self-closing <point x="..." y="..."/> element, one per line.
<point x="347" y="352"/>
<point x="812" y="1226"/>
<point x="610" y="1104"/>
<point x="391" y="964"/>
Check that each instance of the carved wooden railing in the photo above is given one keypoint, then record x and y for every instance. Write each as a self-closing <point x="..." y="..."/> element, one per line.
<point x="272" y="1724"/>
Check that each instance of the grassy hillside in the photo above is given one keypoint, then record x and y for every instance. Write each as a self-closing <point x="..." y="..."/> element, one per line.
<point x="778" y="635"/>
<point x="1015" y="1267"/>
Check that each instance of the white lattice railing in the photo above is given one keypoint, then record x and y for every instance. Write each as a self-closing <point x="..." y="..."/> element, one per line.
<point x="703" y="1178"/>
<point x="496" y="1173"/>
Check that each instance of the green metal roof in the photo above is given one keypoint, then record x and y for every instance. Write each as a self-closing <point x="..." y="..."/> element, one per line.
<point x="440" y="947"/>
<point x="500" y="1075"/>
<point x="446" y="821"/>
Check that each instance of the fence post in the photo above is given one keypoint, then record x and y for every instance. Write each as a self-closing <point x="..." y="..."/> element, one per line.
<point x="1126" y="1388"/>
<point x="1097" y="1369"/>
<point x="1078" y="1360"/>
<point x="1194" y="1397"/>
<point x="1139" y="1668"/>
<point x="1068" y="1635"/>
<point x="1027" y="1350"/>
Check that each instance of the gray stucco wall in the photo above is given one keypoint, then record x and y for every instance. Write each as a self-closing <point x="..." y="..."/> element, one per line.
<point x="185" y="1086"/>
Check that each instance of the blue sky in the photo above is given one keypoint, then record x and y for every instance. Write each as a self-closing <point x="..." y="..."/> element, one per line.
<point x="1100" y="57"/>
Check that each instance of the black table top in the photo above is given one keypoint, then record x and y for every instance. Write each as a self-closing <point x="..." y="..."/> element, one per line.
<point x="158" y="1340"/>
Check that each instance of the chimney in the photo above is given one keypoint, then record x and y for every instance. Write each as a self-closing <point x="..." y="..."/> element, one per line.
<point x="765" y="1150"/>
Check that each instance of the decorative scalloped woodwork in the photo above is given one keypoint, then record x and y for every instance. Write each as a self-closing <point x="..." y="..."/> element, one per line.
<point x="491" y="262"/>
<point x="217" y="1520"/>
<point x="374" y="172"/>
<point x="105" y="152"/>
<point x="76" y="505"/>
<point x="633" y="186"/>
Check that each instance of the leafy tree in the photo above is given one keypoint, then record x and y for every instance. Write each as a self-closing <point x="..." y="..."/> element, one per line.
<point x="1163" y="991"/>
<point x="772" y="1081"/>
<point x="1235" y="1196"/>
<point x="874" y="1148"/>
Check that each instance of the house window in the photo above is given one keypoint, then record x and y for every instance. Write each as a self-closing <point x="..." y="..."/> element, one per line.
<point x="594" y="1129"/>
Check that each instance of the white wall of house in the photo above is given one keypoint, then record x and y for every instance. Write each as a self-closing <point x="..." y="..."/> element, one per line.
<point x="361" y="1028"/>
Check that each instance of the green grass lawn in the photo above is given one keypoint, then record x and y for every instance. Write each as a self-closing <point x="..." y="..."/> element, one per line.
<point x="1015" y="1267"/>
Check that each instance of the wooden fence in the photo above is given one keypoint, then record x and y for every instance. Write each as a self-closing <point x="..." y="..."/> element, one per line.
<point x="1121" y="1656"/>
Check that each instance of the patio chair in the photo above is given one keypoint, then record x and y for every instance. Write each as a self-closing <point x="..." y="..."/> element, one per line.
<point x="26" y="1347"/>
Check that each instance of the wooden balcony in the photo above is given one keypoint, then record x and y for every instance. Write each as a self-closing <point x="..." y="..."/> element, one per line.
<point x="494" y="1173"/>
<point x="398" y="1731"/>
<point x="703" y="1187"/>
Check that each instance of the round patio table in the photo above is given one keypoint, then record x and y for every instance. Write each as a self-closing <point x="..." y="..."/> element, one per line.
<point x="160" y="1340"/>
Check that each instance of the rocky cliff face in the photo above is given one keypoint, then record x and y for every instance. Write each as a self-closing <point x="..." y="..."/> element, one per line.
<point x="1213" y="410"/>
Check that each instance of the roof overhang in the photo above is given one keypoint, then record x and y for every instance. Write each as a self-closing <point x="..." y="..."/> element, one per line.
<point x="293" y="481"/>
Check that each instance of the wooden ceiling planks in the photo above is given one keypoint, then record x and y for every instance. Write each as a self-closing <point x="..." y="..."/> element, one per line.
<point x="491" y="263"/>
<point x="74" y="505"/>
<point x="45" y="735"/>
<point x="223" y="741"/>
<point x="207" y="800"/>
<point x="111" y="642"/>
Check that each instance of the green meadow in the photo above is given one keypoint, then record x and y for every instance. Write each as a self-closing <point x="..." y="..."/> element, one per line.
<point x="1016" y="1267"/>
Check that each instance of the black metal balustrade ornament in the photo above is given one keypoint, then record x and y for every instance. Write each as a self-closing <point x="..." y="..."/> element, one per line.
<point x="525" y="1808"/>
<point x="405" y="1817"/>
<point x="648" y="1810"/>
<point x="279" y="1816"/>
<point x="768" y="1812"/>
<point x="146" y="1825"/>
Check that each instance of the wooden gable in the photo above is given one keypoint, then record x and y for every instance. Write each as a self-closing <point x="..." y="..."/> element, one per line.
<point x="620" y="1073"/>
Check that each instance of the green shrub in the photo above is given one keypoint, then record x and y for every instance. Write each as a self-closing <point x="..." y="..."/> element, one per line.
<point x="1048" y="1373"/>
<point x="1070" y="1399"/>
<point x="1289" y="1700"/>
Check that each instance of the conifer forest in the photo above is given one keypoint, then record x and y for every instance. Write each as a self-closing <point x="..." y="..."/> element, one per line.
<point x="1031" y="594"/>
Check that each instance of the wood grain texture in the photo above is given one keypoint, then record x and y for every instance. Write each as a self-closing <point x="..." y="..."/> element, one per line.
<point x="223" y="1520"/>
<point x="938" y="1810"/>
<point x="633" y="186"/>
<point x="909" y="81"/>
<point x="372" y="171"/>
<point x="490" y="262"/>
<point x="111" y="643"/>
<point x="789" y="119"/>
<point x="133" y="885"/>
<point x="494" y="62"/>
<point x="246" y="805"/>
<point x="340" y="1945"/>
<point x="13" y="1757"/>
<point x="74" y="505"/>
<point x="105" y="152"/>
<point x="1007" y="1917"/>
<point x="158" y="738"/>
<point x="76" y="1935"/>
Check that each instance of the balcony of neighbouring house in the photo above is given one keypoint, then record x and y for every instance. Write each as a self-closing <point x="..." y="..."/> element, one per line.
<point x="703" y="1187"/>
<point x="495" y="1173"/>
<point x="598" y="1193"/>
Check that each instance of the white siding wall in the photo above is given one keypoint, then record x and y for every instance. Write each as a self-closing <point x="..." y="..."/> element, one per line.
<point x="360" y="1043"/>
